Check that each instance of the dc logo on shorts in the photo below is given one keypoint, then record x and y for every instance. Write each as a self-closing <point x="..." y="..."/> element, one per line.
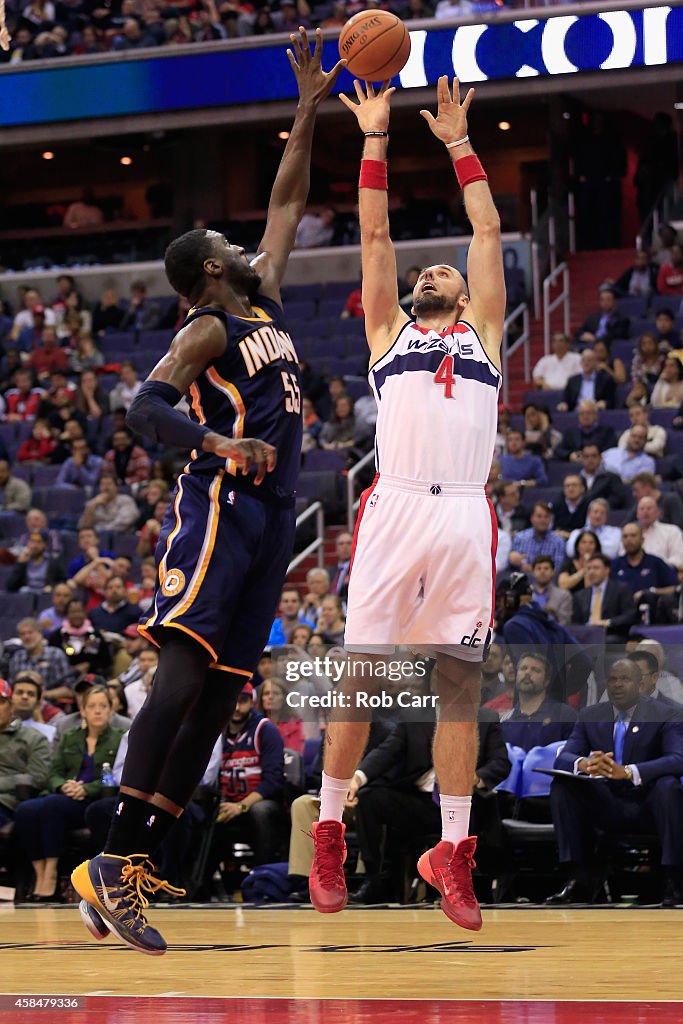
<point x="174" y="581"/>
<point x="374" y="498"/>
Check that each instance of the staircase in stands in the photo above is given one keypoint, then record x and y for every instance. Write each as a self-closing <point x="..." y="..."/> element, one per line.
<point x="297" y="578"/>
<point x="586" y="271"/>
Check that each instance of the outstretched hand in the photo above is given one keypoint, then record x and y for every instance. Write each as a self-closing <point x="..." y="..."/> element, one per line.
<point x="314" y="83"/>
<point x="372" y="109"/>
<point x="450" y="123"/>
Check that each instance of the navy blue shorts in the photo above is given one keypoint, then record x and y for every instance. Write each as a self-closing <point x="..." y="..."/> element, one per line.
<point x="222" y="559"/>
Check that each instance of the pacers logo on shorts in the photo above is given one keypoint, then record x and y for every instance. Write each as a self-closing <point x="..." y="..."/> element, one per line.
<point x="174" y="581"/>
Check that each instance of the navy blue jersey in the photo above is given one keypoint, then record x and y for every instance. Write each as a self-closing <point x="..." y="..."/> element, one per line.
<point x="252" y="390"/>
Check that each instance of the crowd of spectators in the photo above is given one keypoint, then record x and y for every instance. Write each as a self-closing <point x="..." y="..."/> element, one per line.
<point x="43" y="29"/>
<point x="590" y="514"/>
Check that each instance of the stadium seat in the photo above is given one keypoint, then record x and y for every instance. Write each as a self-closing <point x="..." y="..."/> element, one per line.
<point x="45" y="476"/>
<point x="60" y="501"/>
<point x="319" y="459"/>
<point x="19" y="605"/>
<point x="557" y="471"/>
<point x="125" y="544"/>
<point x="311" y="751"/>
<point x="632" y="306"/>
<point x="551" y="399"/>
<point x="618" y="419"/>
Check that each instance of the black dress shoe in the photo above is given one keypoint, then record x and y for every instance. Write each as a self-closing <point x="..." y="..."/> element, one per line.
<point x="299" y="896"/>
<point x="373" y="890"/>
<point x="578" y="892"/>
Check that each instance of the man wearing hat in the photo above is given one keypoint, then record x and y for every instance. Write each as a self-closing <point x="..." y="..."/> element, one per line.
<point x="251" y="783"/>
<point x="35" y="571"/>
<point x="73" y="721"/>
<point x="24" y="756"/>
<point x="525" y="628"/>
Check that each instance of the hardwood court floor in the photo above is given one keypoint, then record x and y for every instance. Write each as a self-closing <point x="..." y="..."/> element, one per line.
<point x="298" y="967"/>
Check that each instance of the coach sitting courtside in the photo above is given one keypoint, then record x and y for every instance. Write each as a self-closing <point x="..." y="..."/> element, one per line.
<point x="628" y="752"/>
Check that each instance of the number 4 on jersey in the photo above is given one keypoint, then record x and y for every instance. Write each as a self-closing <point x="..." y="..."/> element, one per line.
<point x="444" y="376"/>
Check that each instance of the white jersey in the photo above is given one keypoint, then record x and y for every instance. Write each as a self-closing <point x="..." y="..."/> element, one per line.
<point x="437" y="402"/>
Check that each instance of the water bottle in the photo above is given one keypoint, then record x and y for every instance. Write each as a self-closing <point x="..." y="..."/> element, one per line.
<point x="109" y="787"/>
<point x="644" y="610"/>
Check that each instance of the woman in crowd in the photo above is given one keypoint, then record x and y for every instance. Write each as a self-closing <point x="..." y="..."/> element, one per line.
<point x="119" y="703"/>
<point x="86" y="355"/>
<point x="614" y="367"/>
<point x="573" y="570"/>
<point x="648" y="361"/>
<point x="41" y="825"/>
<point x="668" y="391"/>
<point x="272" y="702"/>
<point x="539" y="436"/>
<point x="339" y="431"/>
<point x="331" y="621"/>
<point x="90" y="400"/>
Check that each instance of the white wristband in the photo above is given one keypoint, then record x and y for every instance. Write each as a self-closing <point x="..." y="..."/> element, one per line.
<point x="460" y="142"/>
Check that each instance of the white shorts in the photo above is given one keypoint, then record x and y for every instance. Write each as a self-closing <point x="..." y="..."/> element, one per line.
<point x="423" y="569"/>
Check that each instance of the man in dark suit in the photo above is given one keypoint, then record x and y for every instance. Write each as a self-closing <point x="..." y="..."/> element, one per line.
<point x="570" y="510"/>
<point x="632" y="749"/>
<point x="607" y="324"/>
<point x="395" y="784"/>
<point x="536" y="720"/>
<point x="510" y="513"/>
<point x="649" y="685"/>
<point x="339" y="572"/>
<point x="600" y="483"/>
<point x="592" y="383"/>
<point x="604" y="602"/>
<point x="588" y="431"/>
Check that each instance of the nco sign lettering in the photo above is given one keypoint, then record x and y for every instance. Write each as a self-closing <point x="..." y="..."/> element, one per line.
<point x="561" y="45"/>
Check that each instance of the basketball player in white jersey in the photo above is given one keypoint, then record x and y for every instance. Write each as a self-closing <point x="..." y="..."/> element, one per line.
<point x="424" y="560"/>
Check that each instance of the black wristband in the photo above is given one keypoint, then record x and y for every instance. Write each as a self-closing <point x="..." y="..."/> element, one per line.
<point x="376" y="135"/>
<point x="152" y="414"/>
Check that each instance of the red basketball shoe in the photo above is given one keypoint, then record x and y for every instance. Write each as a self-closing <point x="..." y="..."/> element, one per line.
<point x="327" y="885"/>
<point x="449" y="869"/>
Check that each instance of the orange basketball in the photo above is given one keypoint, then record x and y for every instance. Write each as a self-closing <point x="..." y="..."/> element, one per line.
<point x="376" y="45"/>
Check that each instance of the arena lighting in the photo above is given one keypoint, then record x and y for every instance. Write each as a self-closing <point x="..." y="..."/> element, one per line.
<point x="126" y="161"/>
<point x="283" y="135"/>
<point x="504" y="126"/>
<point x="47" y="155"/>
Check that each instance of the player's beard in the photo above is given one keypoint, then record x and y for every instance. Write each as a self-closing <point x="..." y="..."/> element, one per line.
<point x="431" y="302"/>
<point x="247" y="280"/>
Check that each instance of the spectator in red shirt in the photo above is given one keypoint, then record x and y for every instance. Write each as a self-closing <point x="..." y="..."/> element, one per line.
<point x="354" y="306"/>
<point x="127" y="462"/>
<point x="23" y="399"/>
<point x="670" y="276"/>
<point x="149" y="534"/>
<point x="48" y="356"/>
<point x="39" y="446"/>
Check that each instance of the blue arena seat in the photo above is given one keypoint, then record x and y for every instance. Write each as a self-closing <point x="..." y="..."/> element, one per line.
<point x="557" y="471"/>
<point x="632" y="305"/>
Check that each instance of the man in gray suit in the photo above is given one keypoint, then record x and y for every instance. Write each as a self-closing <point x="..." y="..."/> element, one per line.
<point x="548" y="595"/>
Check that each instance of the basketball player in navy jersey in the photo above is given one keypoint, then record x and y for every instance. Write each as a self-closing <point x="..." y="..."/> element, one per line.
<point x="227" y="539"/>
<point x="423" y="565"/>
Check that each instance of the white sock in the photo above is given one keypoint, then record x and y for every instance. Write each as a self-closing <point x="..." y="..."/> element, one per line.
<point x="333" y="797"/>
<point x="455" y="817"/>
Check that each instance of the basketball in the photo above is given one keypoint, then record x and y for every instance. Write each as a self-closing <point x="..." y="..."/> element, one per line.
<point x="376" y="45"/>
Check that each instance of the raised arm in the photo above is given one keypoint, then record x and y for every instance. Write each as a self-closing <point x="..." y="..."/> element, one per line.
<point x="290" y="189"/>
<point x="485" y="279"/>
<point x="152" y="411"/>
<point x="383" y="315"/>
